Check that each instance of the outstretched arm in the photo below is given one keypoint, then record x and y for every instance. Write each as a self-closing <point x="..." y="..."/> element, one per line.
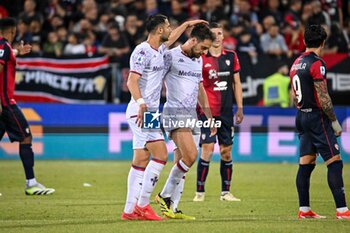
<point x="177" y="32"/>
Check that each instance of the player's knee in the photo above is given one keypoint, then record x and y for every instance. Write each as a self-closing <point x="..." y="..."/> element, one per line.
<point x="307" y="159"/>
<point x="27" y="140"/>
<point x="206" y="155"/>
<point x="191" y="157"/>
<point x="226" y="153"/>
<point x="333" y="159"/>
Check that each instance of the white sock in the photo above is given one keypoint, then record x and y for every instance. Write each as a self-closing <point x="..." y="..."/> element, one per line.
<point x="134" y="187"/>
<point x="150" y="180"/>
<point x="176" y="173"/>
<point x="304" y="209"/>
<point x="178" y="193"/>
<point x="342" y="209"/>
<point x="31" y="182"/>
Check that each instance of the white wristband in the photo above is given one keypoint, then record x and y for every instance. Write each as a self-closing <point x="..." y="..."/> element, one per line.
<point x="336" y="126"/>
<point x="140" y="101"/>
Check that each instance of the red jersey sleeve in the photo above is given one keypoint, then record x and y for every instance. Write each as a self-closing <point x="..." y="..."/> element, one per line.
<point x="318" y="71"/>
<point x="236" y="65"/>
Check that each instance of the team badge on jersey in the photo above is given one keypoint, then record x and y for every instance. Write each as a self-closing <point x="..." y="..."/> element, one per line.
<point x="323" y="70"/>
<point x="228" y="62"/>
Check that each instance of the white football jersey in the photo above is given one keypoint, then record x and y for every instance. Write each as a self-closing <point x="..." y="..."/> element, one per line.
<point x="183" y="75"/>
<point x="182" y="83"/>
<point x="149" y="63"/>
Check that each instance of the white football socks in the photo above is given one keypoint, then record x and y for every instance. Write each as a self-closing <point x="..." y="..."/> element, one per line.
<point x="178" y="193"/>
<point x="31" y="182"/>
<point x="134" y="187"/>
<point x="150" y="180"/>
<point x="175" y="176"/>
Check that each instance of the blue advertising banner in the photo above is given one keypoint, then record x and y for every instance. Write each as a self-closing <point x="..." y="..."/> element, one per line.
<point x="100" y="132"/>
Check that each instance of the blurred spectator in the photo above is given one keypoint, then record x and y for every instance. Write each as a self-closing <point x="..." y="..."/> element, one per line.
<point x="212" y="11"/>
<point x="194" y="9"/>
<point x="244" y="13"/>
<point x="267" y="22"/>
<point x="272" y="9"/>
<point x="35" y="30"/>
<point x="90" y="45"/>
<point x="114" y="44"/>
<point x="53" y="8"/>
<point x="229" y="42"/>
<point x="23" y="32"/>
<point x="294" y="37"/>
<point x="273" y="43"/>
<point x="151" y="7"/>
<point x="133" y="32"/>
<point x="29" y="12"/>
<point x="62" y="34"/>
<point x="246" y="45"/>
<point x="178" y="14"/>
<point x="53" y="46"/>
<point x="334" y="9"/>
<point x="36" y="49"/>
<point x="306" y="13"/>
<point x="73" y="46"/>
<point x="292" y="17"/>
<point x="276" y="88"/>
<point x="318" y="15"/>
<point x="336" y="41"/>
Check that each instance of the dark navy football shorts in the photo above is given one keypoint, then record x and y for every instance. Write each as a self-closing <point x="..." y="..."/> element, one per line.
<point x="225" y="133"/>
<point x="13" y="122"/>
<point x="316" y="134"/>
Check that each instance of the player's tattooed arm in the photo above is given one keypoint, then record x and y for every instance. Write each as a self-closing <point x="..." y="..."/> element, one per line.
<point x="324" y="99"/>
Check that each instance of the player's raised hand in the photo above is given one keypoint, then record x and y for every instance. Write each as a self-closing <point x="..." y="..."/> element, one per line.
<point x="191" y="23"/>
<point x="142" y="110"/>
<point x="239" y="116"/>
<point x="24" y="48"/>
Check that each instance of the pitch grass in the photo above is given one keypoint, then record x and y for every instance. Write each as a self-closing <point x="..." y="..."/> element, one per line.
<point x="269" y="200"/>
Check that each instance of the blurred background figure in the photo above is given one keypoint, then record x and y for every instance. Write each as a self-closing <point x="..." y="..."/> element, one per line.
<point x="276" y="88"/>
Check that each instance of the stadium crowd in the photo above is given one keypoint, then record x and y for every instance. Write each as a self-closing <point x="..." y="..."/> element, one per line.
<point x="114" y="27"/>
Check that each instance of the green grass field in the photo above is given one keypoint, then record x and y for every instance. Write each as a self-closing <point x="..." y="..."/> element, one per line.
<point x="269" y="200"/>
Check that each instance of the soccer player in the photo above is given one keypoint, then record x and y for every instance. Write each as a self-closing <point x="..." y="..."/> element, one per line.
<point x="221" y="81"/>
<point x="12" y="120"/>
<point x="184" y="89"/>
<point x="145" y="83"/>
<point x="317" y="124"/>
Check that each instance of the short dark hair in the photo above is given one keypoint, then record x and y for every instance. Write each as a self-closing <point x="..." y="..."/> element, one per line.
<point x="202" y="32"/>
<point x="154" y="21"/>
<point x="7" y="23"/>
<point x="215" y="25"/>
<point x="314" y="36"/>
